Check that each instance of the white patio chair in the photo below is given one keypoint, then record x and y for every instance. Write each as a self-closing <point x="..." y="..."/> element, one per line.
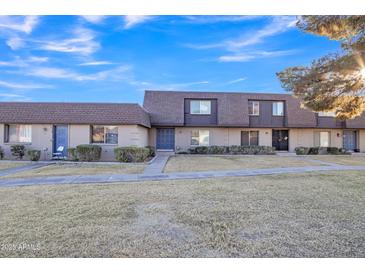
<point x="59" y="153"/>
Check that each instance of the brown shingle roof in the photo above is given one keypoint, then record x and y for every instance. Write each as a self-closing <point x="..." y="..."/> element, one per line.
<point x="167" y="107"/>
<point x="74" y="113"/>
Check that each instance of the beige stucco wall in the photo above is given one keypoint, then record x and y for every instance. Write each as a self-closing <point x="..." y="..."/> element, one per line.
<point x="41" y="140"/>
<point x="219" y="136"/>
<point x="305" y="137"/>
<point x="361" y="140"/>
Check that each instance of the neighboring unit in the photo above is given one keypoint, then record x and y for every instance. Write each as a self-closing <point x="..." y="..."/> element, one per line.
<point x="176" y="121"/>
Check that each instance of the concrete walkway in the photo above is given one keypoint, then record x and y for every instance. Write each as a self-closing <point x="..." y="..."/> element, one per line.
<point x="13" y="170"/>
<point x="100" y="179"/>
<point x="156" y="167"/>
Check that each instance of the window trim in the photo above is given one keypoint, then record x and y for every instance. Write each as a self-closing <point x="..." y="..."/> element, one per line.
<point x="198" y="100"/>
<point x="249" y="137"/>
<point x="258" y="107"/>
<point x="104" y="135"/>
<point x="318" y="137"/>
<point x="7" y="132"/>
<point x="330" y="114"/>
<point x="198" y="130"/>
<point x="272" y="109"/>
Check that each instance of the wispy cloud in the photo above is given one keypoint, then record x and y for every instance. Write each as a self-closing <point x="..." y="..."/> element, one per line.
<point x="245" y="57"/>
<point x="24" y="24"/>
<point x="133" y="20"/>
<point x="14" y="97"/>
<point x="12" y="85"/>
<point x="235" y="81"/>
<point x="60" y="73"/>
<point x="15" y="42"/>
<point x="211" y="19"/>
<point x="173" y="86"/>
<point x="83" y="42"/>
<point x="23" y="62"/>
<point x="96" y="63"/>
<point x="277" y="25"/>
<point x="94" y="19"/>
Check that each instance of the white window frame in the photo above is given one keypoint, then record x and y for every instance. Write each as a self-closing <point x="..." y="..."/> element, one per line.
<point x="326" y="114"/>
<point x="19" y="141"/>
<point x="104" y="135"/>
<point x="200" y="107"/>
<point x="249" y="136"/>
<point x="255" y="106"/>
<point x="200" y="137"/>
<point x="277" y="103"/>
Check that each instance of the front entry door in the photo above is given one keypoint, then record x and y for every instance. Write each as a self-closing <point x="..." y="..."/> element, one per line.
<point x="165" y="138"/>
<point x="349" y="140"/>
<point x="60" y="138"/>
<point x="280" y="139"/>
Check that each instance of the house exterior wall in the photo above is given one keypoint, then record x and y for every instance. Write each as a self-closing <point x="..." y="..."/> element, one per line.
<point x="42" y="139"/>
<point x="232" y="136"/>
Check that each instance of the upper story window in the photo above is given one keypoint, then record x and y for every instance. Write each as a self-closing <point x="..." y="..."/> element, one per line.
<point x="326" y="114"/>
<point x="253" y="108"/>
<point x="18" y="133"/>
<point x="200" y="107"/>
<point x="104" y="134"/>
<point x="200" y="138"/>
<point x="278" y="108"/>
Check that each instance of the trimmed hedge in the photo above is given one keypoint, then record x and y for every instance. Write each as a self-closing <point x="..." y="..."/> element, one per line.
<point x="235" y="150"/>
<point x="88" y="153"/>
<point x="18" y="151"/>
<point x="132" y="154"/>
<point x="320" y="151"/>
<point x="152" y="150"/>
<point x="72" y="154"/>
<point x="1" y="153"/>
<point x="34" y="155"/>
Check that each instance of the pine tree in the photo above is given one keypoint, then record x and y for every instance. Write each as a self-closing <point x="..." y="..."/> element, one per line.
<point x="335" y="82"/>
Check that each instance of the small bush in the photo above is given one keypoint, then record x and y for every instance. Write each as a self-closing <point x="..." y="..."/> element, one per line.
<point x="1" y="153"/>
<point x="152" y="151"/>
<point x="218" y="150"/>
<point x="313" y="151"/>
<point x="302" y="150"/>
<point x="18" y="151"/>
<point x="88" y="153"/>
<point x="72" y="154"/>
<point x="34" y="155"/>
<point x="132" y="154"/>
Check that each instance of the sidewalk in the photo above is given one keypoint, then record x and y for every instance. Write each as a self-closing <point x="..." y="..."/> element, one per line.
<point x="99" y="179"/>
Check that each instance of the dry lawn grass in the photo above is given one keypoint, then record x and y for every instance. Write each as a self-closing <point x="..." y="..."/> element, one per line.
<point x="185" y="163"/>
<point x="297" y="215"/>
<point x="347" y="160"/>
<point x="79" y="169"/>
<point x="6" y="165"/>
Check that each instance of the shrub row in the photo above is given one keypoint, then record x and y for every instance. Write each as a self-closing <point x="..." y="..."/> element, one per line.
<point x="133" y="154"/>
<point x="90" y="153"/>
<point x="251" y="150"/>
<point x="320" y="151"/>
<point x="19" y="151"/>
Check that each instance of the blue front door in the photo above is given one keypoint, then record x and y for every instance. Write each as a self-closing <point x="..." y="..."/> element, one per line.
<point x="60" y="138"/>
<point x="165" y="138"/>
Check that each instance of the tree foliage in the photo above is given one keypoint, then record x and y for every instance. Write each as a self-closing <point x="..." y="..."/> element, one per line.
<point x="335" y="82"/>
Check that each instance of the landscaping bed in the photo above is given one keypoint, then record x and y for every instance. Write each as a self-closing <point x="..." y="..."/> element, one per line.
<point x="80" y="169"/>
<point x="186" y="163"/>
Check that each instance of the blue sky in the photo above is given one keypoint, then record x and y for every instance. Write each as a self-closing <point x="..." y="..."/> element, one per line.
<point x="115" y="58"/>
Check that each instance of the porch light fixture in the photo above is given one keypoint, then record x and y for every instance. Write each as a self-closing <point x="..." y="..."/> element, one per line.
<point x="338" y="134"/>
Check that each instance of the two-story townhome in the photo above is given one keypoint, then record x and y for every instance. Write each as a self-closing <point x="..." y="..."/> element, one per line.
<point x="180" y="120"/>
<point x="171" y="120"/>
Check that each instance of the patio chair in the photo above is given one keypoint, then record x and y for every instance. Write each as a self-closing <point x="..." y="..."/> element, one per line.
<point x="59" y="153"/>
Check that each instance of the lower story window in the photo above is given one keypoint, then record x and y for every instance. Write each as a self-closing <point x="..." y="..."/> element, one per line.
<point x="250" y="138"/>
<point x="322" y="139"/>
<point x="200" y="138"/>
<point x="104" y="134"/>
<point x="18" y="134"/>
